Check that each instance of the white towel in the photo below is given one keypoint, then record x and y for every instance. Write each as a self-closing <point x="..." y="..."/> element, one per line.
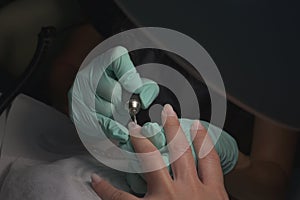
<point x="67" y="179"/>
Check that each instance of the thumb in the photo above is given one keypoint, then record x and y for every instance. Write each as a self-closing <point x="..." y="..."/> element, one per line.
<point x="148" y="92"/>
<point x="108" y="192"/>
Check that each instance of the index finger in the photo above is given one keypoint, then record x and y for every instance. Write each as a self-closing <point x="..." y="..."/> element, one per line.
<point x="156" y="172"/>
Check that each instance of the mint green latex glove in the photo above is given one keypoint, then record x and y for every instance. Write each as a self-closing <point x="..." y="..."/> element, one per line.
<point x="119" y="76"/>
<point x="225" y="146"/>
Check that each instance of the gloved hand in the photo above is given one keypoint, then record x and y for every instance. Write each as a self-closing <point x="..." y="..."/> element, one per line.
<point x="120" y="74"/>
<point x="225" y="146"/>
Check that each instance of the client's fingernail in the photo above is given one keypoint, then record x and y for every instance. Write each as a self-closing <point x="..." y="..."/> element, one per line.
<point x="132" y="126"/>
<point x="168" y="110"/>
<point x="134" y="130"/>
<point x="96" y="179"/>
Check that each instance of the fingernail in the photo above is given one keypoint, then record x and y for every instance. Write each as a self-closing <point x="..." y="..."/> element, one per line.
<point x="134" y="130"/>
<point x="168" y="110"/>
<point x="96" y="179"/>
<point x="132" y="126"/>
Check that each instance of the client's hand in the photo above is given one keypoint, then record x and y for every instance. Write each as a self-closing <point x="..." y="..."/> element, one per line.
<point x="225" y="146"/>
<point x="186" y="183"/>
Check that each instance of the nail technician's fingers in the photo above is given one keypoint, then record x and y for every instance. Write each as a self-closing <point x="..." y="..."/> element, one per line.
<point x="124" y="69"/>
<point x="155" y="134"/>
<point x="108" y="192"/>
<point x="150" y="158"/>
<point x="148" y="92"/>
<point x="104" y="107"/>
<point x="209" y="167"/>
<point x="178" y="145"/>
<point x="121" y="61"/>
<point x="109" y="89"/>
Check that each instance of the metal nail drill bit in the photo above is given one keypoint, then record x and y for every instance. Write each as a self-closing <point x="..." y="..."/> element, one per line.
<point x="134" y="106"/>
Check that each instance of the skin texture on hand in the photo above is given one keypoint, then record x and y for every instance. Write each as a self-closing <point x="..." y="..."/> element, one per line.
<point x="190" y="183"/>
<point x="225" y="147"/>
